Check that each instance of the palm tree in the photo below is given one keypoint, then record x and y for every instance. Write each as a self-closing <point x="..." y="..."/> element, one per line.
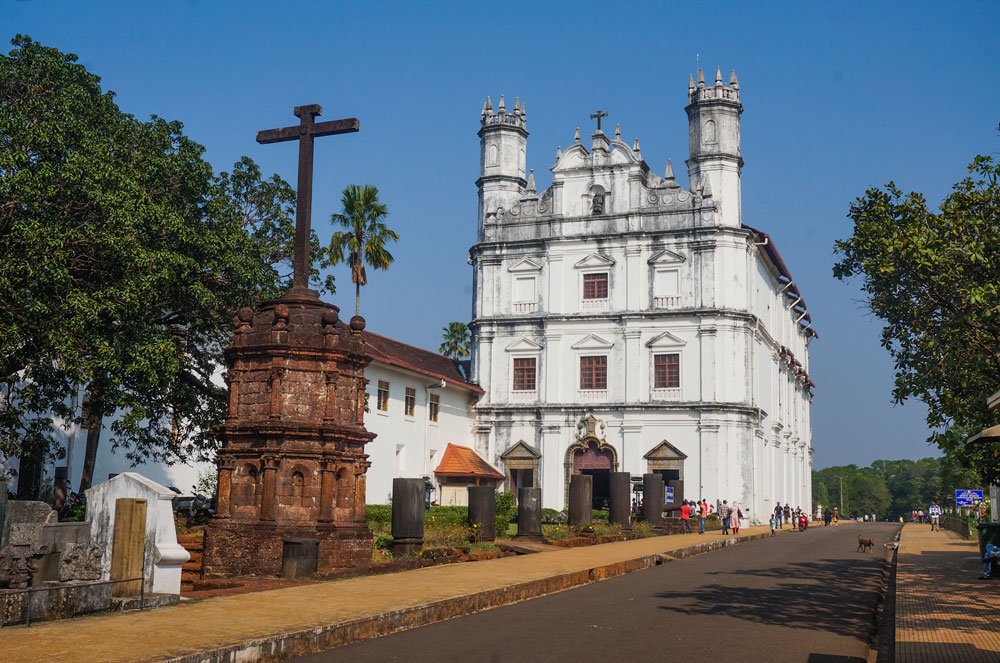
<point x="365" y="238"/>
<point x="456" y="340"/>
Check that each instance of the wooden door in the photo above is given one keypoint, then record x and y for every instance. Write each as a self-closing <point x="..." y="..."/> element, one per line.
<point x="129" y="545"/>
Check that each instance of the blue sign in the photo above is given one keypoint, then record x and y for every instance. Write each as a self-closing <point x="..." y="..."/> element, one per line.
<point x="966" y="497"/>
<point x="668" y="494"/>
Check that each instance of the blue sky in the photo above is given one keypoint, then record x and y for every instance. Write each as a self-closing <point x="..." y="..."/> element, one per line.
<point x="838" y="97"/>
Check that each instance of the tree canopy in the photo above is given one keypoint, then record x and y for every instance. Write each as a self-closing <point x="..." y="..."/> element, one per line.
<point x="122" y="258"/>
<point x="456" y="340"/>
<point x="934" y="279"/>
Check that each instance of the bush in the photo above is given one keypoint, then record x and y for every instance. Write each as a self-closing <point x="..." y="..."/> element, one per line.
<point x="447" y="515"/>
<point x="378" y="514"/>
<point x="383" y="542"/>
<point x="599" y="516"/>
<point x="552" y="517"/>
<point x="506" y="512"/>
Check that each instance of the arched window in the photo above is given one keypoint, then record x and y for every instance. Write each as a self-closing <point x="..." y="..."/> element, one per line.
<point x="493" y="157"/>
<point x="710" y="133"/>
<point x="250" y="488"/>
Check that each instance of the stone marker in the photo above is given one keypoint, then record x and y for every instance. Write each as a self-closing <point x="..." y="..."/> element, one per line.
<point x="4" y="517"/>
<point x="678" y="487"/>
<point x="483" y="512"/>
<point x="407" y="515"/>
<point x="163" y="557"/>
<point x="620" y="507"/>
<point x="529" y="513"/>
<point x="652" y="499"/>
<point x="581" y="500"/>
<point x="299" y="558"/>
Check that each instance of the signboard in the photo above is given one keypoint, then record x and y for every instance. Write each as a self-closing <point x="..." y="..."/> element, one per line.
<point x="668" y="494"/>
<point x="966" y="497"/>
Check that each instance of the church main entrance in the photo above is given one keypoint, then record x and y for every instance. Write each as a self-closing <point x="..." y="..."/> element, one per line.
<point x="592" y="455"/>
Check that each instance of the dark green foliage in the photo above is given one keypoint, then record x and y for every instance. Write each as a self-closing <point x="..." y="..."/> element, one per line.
<point x="933" y="278"/>
<point x="456" y="340"/>
<point x="447" y="515"/>
<point x="123" y="257"/>
<point x="506" y="512"/>
<point x="553" y="517"/>
<point x="378" y="514"/>
<point x="599" y="516"/>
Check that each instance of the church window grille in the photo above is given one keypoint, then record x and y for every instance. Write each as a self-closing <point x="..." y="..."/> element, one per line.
<point x="595" y="286"/>
<point x="383" y="395"/>
<point x="666" y="371"/>
<point x="434" y="407"/>
<point x="524" y="374"/>
<point x="410" y="404"/>
<point x="594" y="373"/>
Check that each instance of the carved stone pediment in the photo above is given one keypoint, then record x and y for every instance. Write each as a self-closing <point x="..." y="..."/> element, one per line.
<point x="665" y="451"/>
<point x="520" y="450"/>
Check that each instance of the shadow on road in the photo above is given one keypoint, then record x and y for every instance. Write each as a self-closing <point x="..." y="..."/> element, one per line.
<point x="825" y="595"/>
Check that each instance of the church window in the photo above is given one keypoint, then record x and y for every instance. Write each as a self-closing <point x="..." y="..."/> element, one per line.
<point x="434" y="407"/>
<point x="524" y="374"/>
<point x="383" y="395"/>
<point x="710" y="133"/>
<point x="494" y="158"/>
<point x="594" y="373"/>
<point x="410" y="404"/>
<point x="666" y="371"/>
<point x="595" y="286"/>
<point x="524" y="289"/>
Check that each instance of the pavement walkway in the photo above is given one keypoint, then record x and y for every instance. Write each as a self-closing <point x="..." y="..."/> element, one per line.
<point x="943" y="613"/>
<point x="298" y="620"/>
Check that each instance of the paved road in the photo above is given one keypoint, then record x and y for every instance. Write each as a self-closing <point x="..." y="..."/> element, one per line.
<point x="803" y="597"/>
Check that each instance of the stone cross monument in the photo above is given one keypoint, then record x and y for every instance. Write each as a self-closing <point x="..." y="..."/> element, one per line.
<point x="292" y="463"/>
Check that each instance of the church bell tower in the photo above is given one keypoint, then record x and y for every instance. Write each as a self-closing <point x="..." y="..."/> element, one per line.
<point x="714" y="142"/>
<point x="503" y="140"/>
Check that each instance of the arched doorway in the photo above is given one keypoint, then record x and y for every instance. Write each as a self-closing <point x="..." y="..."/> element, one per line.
<point x="592" y="457"/>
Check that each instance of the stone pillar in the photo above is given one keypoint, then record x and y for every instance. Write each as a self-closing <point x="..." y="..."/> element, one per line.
<point x="223" y="490"/>
<point x="652" y="499"/>
<point x="268" y="488"/>
<point x="581" y="500"/>
<point x="360" y="482"/>
<point x="678" y="487"/>
<point x="620" y="511"/>
<point x="483" y="511"/>
<point x="277" y="373"/>
<point x="326" y="485"/>
<point x="529" y="513"/>
<point x="407" y="515"/>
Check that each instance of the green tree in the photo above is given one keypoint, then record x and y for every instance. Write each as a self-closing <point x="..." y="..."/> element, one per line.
<point x="934" y="279"/>
<point x="456" y="340"/>
<point x="365" y="238"/>
<point x="122" y="258"/>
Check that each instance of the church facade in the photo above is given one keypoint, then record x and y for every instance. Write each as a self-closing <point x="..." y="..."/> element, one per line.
<point x="623" y="322"/>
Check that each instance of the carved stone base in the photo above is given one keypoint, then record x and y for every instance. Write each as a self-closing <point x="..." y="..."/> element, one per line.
<point x="243" y="549"/>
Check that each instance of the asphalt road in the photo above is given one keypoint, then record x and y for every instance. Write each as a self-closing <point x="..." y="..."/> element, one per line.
<point x="802" y="597"/>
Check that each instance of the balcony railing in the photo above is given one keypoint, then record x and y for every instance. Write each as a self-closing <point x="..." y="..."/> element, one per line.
<point x="524" y="307"/>
<point x="667" y="394"/>
<point x="524" y="396"/>
<point x="673" y="301"/>
<point x="595" y="305"/>
<point x="593" y="395"/>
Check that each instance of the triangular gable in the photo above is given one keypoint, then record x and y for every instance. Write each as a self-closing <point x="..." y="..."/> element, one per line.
<point x="665" y="340"/>
<point x="666" y="257"/>
<point x="520" y="451"/>
<point x="524" y="344"/>
<point x="594" y="260"/>
<point x="665" y="451"/>
<point x="592" y="342"/>
<point x="525" y="265"/>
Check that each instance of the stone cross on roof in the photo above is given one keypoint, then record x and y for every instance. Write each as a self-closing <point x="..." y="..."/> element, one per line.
<point x="305" y="131"/>
<point x="597" y="115"/>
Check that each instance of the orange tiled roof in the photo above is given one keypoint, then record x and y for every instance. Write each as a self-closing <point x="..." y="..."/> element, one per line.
<point x="459" y="461"/>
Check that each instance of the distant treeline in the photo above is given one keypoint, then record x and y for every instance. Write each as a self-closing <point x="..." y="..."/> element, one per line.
<point x="891" y="488"/>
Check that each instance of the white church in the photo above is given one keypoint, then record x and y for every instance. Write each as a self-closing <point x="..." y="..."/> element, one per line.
<point x="621" y="322"/>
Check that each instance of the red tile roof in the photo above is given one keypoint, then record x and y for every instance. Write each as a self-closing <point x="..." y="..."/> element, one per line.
<point x="425" y="362"/>
<point x="459" y="461"/>
<point x="772" y="252"/>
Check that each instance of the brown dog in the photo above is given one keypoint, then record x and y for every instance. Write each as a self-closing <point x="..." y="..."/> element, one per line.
<point x="865" y="545"/>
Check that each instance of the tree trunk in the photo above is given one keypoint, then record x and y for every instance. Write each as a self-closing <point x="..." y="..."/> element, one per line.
<point x="357" y="299"/>
<point x="93" y="421"/>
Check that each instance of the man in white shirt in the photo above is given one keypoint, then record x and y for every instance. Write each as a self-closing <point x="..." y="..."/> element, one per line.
<point x="934" y="511"/>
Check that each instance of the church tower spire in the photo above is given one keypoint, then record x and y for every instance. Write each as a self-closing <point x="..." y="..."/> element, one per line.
<point x="503" y="141"/>
<point x="714" y="159"/>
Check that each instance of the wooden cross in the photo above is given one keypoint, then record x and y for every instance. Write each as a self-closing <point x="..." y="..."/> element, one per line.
<point x="598" y="115"/>
<point x="305" y="131"/>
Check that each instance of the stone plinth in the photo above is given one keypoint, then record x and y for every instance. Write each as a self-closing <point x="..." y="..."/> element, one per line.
<point x="292" y="464"/>
<point x="620" y="507"/>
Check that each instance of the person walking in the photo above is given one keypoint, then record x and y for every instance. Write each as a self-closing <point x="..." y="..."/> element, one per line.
<point x="788" y="514"/>
<point x="724" y="513"/>
<point x="702" y="515"/>
<point x="735" y="518"/>
<point x="934" y="511"/>
<point x="773" y="523"/>
<point x="827" y="517"/>
<point x="686" y="518"/>
<point x="777" y="515"/>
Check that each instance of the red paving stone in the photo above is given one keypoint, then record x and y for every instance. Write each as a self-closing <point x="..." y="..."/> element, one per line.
<point x="943" y="613"/>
